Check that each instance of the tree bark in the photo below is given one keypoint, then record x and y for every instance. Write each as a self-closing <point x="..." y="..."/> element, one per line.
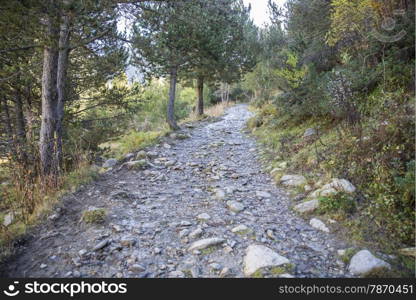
<point x="49" y="97"/>
<point x="20" y="119"/>
<point x="9" y="128"/>
<point x="62" y="70"/>
<point x="171" y="104"/>
<point x="20" y="128"/>
<point x="200" y="92"/>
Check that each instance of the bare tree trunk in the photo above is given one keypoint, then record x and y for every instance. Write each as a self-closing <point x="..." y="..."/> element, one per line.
<point x="171" y="104"/>
<point x="49" y="97"/>
<point x="62" y="70"/>
<point x="200" y="92"/>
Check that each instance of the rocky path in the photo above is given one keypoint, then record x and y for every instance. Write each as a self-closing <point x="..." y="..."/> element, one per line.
<point x="203" y="208"/>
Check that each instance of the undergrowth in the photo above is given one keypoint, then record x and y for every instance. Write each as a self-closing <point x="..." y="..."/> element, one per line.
<point x="379" y="162"/>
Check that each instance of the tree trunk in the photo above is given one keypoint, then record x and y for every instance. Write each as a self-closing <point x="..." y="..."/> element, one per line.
<point x="20" y="128"/>
<point x="171" y="104"/>
<point x="20" y="119"/>
<point x="200" y="92"/>
<point x="9" y="128"/>
<point x="62" y="69"/>
<point x="49" y="97"/>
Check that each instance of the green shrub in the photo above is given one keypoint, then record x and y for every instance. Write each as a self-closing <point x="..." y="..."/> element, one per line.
<point x="339" y="202"/>
<point x="94" y="216"/>
<point x="134" y="141"/>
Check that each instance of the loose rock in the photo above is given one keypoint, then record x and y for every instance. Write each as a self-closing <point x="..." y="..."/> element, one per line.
<point x="205" y="243"/>
<point x="235" y="206"/>
<point x="110" y="163"/>
<point x="8" y="219"/>
<point x="363" y="262"/>
<point x="203" y="217"/>
<point x="318" y="224"/>
<point x="258" y="257"/>
<point x="240" y="228"/>
<point x="307" y="207"/>
<point x="293" y="180"/>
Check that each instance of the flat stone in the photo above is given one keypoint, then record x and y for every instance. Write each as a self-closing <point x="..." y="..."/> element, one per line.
<point x="215" y="266"/>
<point x="109" y="163"/>
<point x="136" y="164"/>
<point x="101" y="245"/>
<point x="343" y="185"/>
<point x="235" y="206"/>
<point x="176" y="274"/>
<point x="293" y="180"/>
<point x="334" y="187"/>
<point x="307" y="207"/>
<point x="185" y="223"/>
<point x="286" y="275"/>
<point x="136" y="268"/>
<point x="196" y="233"/>
<point x="262" y="194"/>
<point x="258" y="257"/>
<point x="183" y="233"/>
<point x="203" y="217"/>
<point x="363" y="262"/>
<point x="318" y="224"/>
<point x="82" y="252"/>
<point x="309" y="132"/>
<point x="219" y="194"/>
<point x="127" y="241"/>
<point x="205" y="243"/>
<point x="239" y="228"/>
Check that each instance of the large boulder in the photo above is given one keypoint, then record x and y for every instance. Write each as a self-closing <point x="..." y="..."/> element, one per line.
<point x="307" y="207"/>
<point x="335" y="186"/>
<point x="363" y="262"/>
<point x="258" y="257"/>
<point x="293" y="180"/>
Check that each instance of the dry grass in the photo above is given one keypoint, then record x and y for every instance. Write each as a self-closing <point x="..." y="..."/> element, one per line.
<point x="216" y="110"/>
<point x="31" y="200"/>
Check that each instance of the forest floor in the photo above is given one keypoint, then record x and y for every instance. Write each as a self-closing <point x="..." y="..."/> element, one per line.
<point x="197" y="188"/>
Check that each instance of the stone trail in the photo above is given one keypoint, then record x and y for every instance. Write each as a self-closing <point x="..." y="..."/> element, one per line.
<point x="200" y="206"/>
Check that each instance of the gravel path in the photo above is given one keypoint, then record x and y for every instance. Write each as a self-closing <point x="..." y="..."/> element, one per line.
<point x="196" y="188"/>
